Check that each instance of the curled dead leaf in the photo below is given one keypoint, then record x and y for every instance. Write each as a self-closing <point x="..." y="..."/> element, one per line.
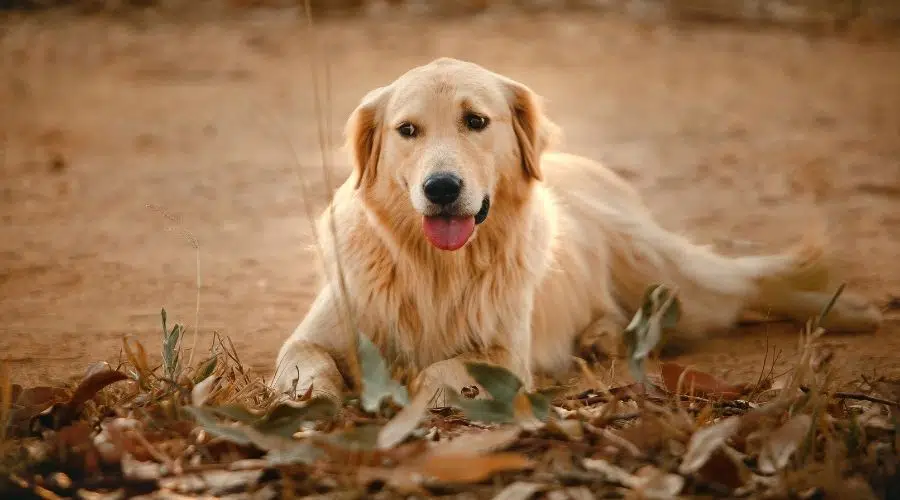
<point x="705" y="441"/>
<point x="404" y="422"/>
<point x="782" y="443"/>
<point x="479" y="442"/>
<point x="696" y="383"/>
<point x="520" y="490"/>
<point x="466" y="468"/>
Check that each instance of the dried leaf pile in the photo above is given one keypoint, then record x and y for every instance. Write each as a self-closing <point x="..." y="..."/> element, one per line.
<point x="215" y="430"/>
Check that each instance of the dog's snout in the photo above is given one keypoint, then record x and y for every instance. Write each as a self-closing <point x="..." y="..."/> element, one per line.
<point x="442" y="188"/>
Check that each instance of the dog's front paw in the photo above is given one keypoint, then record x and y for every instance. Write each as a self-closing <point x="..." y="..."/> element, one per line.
<point x="303" y="366"/>
<point x="600" y="341"/>
<point x="450" y="374"/>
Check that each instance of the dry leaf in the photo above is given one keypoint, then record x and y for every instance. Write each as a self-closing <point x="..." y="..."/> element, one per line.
<point x="574" y="493"/>
<point x="377" y="383"/>
<point x="478" y="442"/>
<point x="404" y="422"/>
<point x="91" y="385"/>
<point x="696" y="383"/>
<point x="569" y="429"/>
<point x="724" y="469"/>
<point x="657" y="484"/>
<point x="221" y="482"/>
<point x="520" y="490"/>
<point x="200" y="393"/>
<point x="782" y="443"/>
<point x="467" y="468"/>
<point x="705" y="441"/>
<point x="612" y="473"/>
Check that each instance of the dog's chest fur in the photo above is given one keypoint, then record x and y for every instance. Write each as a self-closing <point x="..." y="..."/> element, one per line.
<point x="421" y="305"/>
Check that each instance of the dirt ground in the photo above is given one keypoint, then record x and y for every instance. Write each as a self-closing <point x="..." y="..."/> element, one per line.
<point x="114" y="128"/>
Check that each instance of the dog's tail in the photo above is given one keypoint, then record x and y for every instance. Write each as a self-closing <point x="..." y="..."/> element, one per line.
<point x="714" y="289"/>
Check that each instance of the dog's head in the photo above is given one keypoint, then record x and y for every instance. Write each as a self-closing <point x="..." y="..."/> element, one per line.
<point x="449" y="134"/>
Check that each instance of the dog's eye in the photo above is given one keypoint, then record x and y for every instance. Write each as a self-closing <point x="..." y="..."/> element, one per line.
<point x="407" y="129"/>
<point x="475" y="122"/>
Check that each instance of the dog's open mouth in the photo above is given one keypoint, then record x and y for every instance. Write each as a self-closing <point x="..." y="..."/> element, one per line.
<point x="451" y="232"/>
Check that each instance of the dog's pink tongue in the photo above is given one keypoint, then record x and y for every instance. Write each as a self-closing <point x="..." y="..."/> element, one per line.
<point x="448" y="233"/>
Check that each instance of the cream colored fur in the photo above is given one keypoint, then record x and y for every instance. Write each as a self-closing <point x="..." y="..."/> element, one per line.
<point x="562" y="259"/>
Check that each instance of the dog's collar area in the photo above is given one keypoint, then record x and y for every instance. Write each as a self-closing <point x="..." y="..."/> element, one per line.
<point x="485" y="208"/>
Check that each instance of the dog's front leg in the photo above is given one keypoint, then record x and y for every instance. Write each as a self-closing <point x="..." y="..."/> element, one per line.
<point x="311" y="355"/>
<point x="512" y="351"/>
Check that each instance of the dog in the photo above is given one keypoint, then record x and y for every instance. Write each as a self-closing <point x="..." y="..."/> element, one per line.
<point x="460" y="236"/>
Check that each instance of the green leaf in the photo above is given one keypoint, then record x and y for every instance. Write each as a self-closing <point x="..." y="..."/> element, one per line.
<point x="659" y="311"/>
<point x="236" y="412"/>
<point x="205" y="418"/>
<point x="363" y="437"/>
<point x="376" y="379"/>
<point x="206" y="369"/>
<point x="499" y="382"/>
<point x="540" y="406"/>
<point x="170" y="352"/>
<point x="281" y="449"/>
<point x="298" y="453"/>
<point x="287" y="418"/>
<point x="489" y="411"/>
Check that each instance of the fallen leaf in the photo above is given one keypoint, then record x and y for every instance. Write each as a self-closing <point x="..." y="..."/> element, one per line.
<point x="466" y="468"/>
<point x="187" y="483"/>
<point x="705" y="441"/>
<point x="725" y="469"/>
<point x="116" y="438"/>
<point x="572" y="493"/>
<point x="520" y="490"/>
<point x="287" y="417"/>
<point x="659" y="485"/>
<point x="31" y="402"/>
<point x="696" y="383"/>
<point x="499" y="382"/>
<point x="376" y="379"/>
<point x="90" y="386"/>
<point x="611" y="473"/>
<point x="404" y="422"/>
<point x="660" y="310"/>
<point x="136" y="469"/>
<point x="478" y="442"/>
<point x="297" y="452"/>
<point x="222" y="482"/>
<point x="782" y="443"/>
<point x="201" y="391"/>
<point x="489" y="411"/>
<point x="569" y="429"/>
<point x="359" y="438"/>
<point x="232" y="432"/>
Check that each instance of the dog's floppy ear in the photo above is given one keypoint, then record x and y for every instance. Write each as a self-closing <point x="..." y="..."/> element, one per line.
<point x="363" y="133"/>
<point x="534" y="131"/>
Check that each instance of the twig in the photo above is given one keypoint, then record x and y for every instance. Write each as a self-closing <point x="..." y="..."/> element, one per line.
<point x="324" y="146"/>
<point x="859" y="396"/>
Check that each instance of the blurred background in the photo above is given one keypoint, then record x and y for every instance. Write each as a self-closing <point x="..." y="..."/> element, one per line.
<point x="136" y="136"/>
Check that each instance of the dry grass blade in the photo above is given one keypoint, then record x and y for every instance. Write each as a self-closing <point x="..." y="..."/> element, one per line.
<point x="6" y="400"/>
<point x="195" y="244"/>
<point x="349" y="319"/>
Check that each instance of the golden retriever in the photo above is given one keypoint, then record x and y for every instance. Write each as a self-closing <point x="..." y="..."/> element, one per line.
<point x="460" y="237"/>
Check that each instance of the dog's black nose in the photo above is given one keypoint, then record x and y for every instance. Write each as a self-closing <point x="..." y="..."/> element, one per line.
<point x="442" y="188"/>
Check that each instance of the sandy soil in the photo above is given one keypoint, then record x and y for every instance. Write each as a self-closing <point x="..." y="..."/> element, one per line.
<point x="732" y="136"/>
